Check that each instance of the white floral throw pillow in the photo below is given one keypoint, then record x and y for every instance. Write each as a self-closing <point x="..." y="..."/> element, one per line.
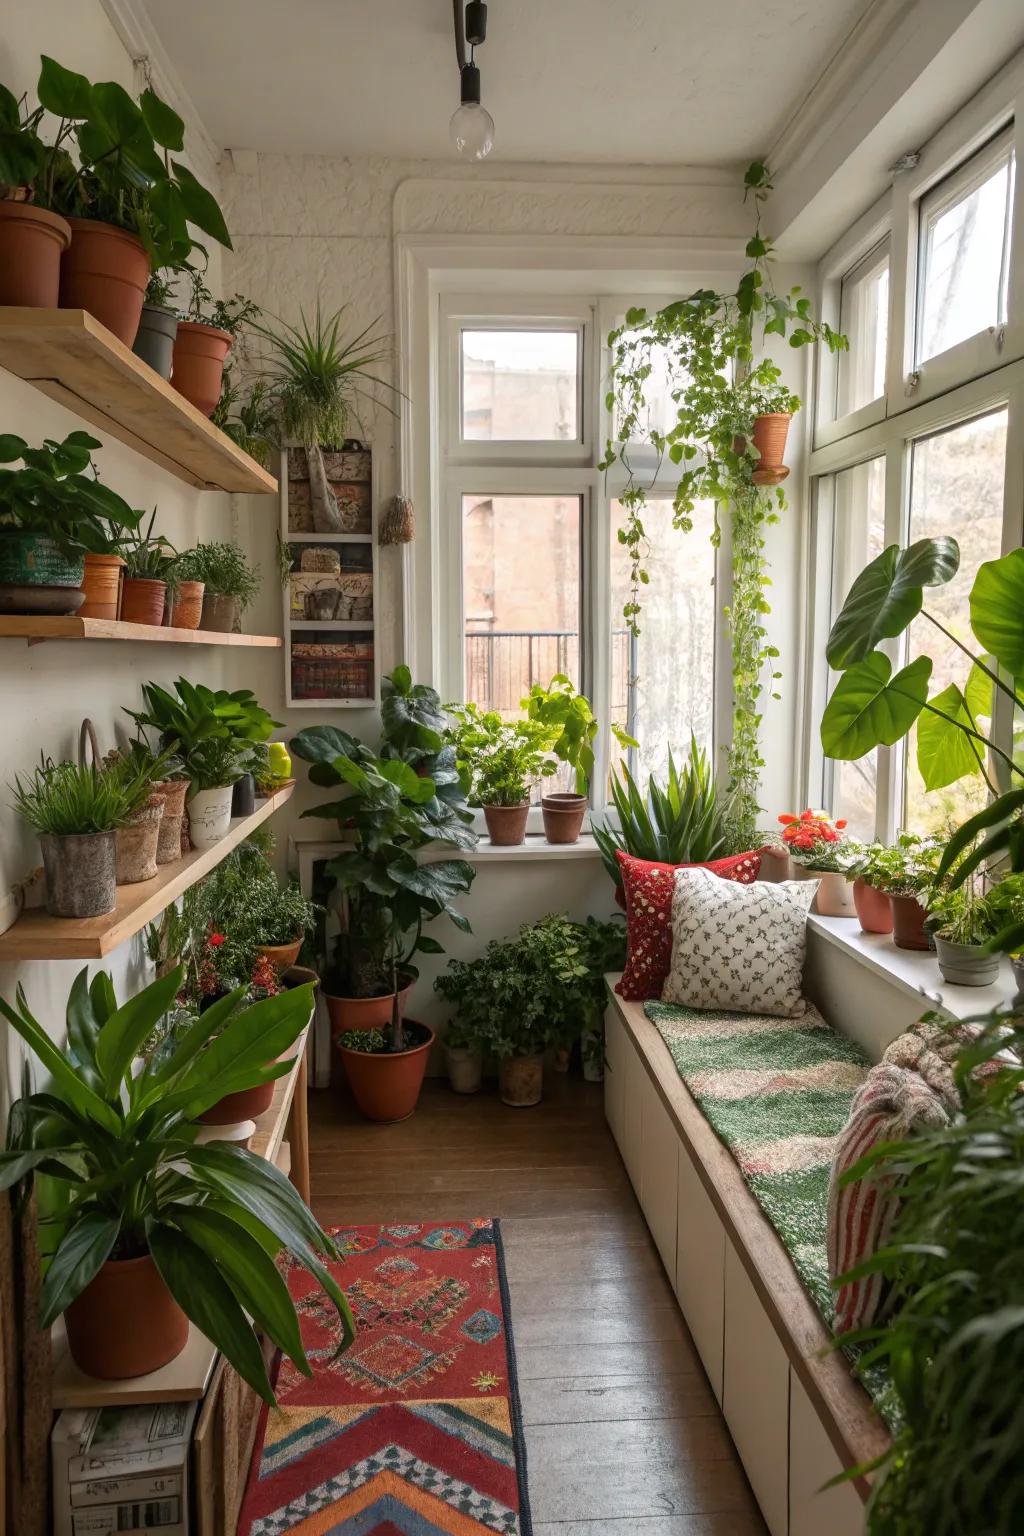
<point x="738" y="947"/>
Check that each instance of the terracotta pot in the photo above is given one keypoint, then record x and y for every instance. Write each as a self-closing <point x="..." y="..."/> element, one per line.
<point x="835" y="895"/>
<point x="32" y="241"/>
<point x="243" y="796"/>
<point x="246" y="1104"/>
<point x="142" y="600"/>
<point x="102" y="586"/>
<point x="172" y="792"/>
<point x="137" y="841"/>
<point x="966" y="965"/>
<point x="908" y="930"/>
<point x="200" y="352"/>
<point x="185" y="606"/>
<point x="873" y="908"/>
<point x="363" y="1012"/>
<point x="387" y="1087"/>
<point x="521" y="1081"/>
<point x="209" y="815"/>
<point x="465" y="1068"/>
<point x="81" y="873"/>
<point x="219" y="612"/>
<point x="506" y="824"/>
<point x="105" y="270"/>
<point x="769" y="436"/>
<point x="281" y="956"/>
<point x="154" y="342"/>
<point x="126" y="1322"/>
<point x="563" y="817"/>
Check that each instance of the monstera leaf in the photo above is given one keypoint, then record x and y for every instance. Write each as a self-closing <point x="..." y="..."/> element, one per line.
<point x="997" y="610"/>
<point x="871" y="708"/>
<point x="887" y="595"/>
<point x="946" y="751"/>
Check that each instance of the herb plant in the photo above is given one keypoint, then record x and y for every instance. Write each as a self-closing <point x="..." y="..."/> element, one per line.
<point x="224" y="569"/>
<point x="504" y="759"/>
<point x="566" y="711"/>
<point x="63" y="799"/>
<point x="58" y="494"/>
<point x="907" y="868"/>
<point x="229" y="315"/>
<point x="217" y="762"/>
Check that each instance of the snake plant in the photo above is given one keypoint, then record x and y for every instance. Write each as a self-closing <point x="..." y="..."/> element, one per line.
<point x="686" y="822"/>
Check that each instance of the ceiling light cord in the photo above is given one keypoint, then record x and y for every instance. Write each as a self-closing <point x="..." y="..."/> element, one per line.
<point x="472" y="126"/>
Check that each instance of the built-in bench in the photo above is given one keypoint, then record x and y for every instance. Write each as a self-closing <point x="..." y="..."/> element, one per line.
<point x="796" y="1413"/>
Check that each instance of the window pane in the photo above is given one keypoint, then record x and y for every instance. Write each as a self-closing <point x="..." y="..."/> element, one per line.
<point x="957" y="488"/>
<point x="520" y="386"/>
<point x="660" y="411"/>
<point x="965" y="245"/>
<point x="864" y="320"/>
<point x="858" y="538"/>
<point x="663" y="681"/>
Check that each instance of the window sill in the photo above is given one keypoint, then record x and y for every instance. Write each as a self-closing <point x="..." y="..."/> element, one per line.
<point x="915" y="972"/>
<point x="534" y="848"/>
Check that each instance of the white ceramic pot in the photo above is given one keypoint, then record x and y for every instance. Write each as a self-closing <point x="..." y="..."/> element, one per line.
<point x="835" y="896"/>
<point x="209" y="816"/>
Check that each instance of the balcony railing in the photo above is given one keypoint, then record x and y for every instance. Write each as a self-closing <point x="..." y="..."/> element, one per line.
<point x="502" y="665"/>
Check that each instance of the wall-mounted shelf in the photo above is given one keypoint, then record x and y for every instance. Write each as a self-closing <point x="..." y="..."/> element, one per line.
<point x="76" y="361"/>
<point x="38" y="936"/>
<point x="35" y="630"/>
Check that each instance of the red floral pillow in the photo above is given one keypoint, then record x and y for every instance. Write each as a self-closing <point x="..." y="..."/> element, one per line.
<point x="648" y="891"/>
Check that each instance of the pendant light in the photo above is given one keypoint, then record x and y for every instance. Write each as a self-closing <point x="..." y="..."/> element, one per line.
<point x="472" y="126"/>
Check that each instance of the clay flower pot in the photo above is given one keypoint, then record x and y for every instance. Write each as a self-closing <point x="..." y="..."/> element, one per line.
<point x="105" y="271"/>
<point x="32" y="241"/>
<point x="209" y="815"/>
<point x="908" y="930"/>
<point x="769" y="438"/>
<point x="246" y="1104"/>
<point x="966" y="965"/>
<point x="465" y="1068"/>
<point x="126" y="1322"/>
<point x="81" y="873"/>
<point x="200" y="352"/>
<point x="102" y="587"/>
<point x="506" y="824"/>
<point x="363" y="1012"/>
<point x="142" y="600"/>
<point x="386" y="1085"/>
<point x="185" y="606"/>
<point x="154" y="342"/>
<point x="281" y="956"/>
<point x="873" y="908"/>
<point x="563" y="817"/>
<point x="521" y="1081"/>
<point x="220" y="612"/>
<point x="137" y="841"/>
<point x="172" y="792"/>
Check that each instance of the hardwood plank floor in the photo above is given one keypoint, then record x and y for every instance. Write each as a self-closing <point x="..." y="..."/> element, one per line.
<point x="624" y="1437"/>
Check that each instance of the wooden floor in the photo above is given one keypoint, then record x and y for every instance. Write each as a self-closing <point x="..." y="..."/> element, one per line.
<point x="624" y="1437"/>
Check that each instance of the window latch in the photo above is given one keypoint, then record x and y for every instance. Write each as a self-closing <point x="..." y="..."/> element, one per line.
<point x="912" y="381"/>
<point x="999" y="336"/>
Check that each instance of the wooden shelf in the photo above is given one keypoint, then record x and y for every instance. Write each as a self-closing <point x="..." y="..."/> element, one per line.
<point x="38" y="936"/>
<point x="187" y="1377"/>
<point x="35" y="630"/>
<point x="76" y="361"/>
<point x="328" y="538"/>
<point x="363" y="626"/>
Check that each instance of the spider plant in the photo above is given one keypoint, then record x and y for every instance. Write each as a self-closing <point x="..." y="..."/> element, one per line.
<point x="65" y="799"/>
<point x="685" y="823"/>
<point x="119" y="1144"/>
<point x="150" y="558"/>
<point x="318" y="377"/>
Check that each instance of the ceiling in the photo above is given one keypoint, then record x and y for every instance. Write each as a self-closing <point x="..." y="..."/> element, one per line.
<point x="695" y="82"/>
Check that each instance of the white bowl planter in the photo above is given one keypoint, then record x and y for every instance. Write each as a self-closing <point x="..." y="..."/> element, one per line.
<point x="209" y="816"/>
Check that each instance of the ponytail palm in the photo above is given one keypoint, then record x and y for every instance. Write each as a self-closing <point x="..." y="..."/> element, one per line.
<point x="121" y="1146"/>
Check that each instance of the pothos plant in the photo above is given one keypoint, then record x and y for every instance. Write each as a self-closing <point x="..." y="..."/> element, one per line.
<point x="719" y="388"/>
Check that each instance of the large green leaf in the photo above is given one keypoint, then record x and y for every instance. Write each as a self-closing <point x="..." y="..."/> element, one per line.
<point x="202" y="1292"/>
<point x="162" y="121"/>
<point x="996" y="814"/>
<point x="15" y="1165"/>
<point x="323" y="743"/>
<point x="201" y="206"/>
<point x="70" y="1084"/>
<point x="247" y="1046"/>
<point x="945" y="750"/>
<point x="887" y="595"/>
<point x="63" y="92"/>
<point x="997" y="610"/>
<point x="870" y="708"/>
<point x="81" y="1255"/>
<point x="126" y="1030"/>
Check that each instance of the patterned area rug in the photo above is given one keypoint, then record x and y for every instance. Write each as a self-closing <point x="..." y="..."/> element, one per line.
<point x="416" y="1430"/>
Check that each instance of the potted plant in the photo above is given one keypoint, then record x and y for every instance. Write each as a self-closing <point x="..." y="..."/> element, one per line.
<point x="158" y="325"/>
<point x="317" y="377"/>
<point x="229" y="583"/>
<point x="214" y="767"/>
<point x="867" y="865"/>
<point x="56" y="520"/>
<point x="503" y="759"/>
<point x="463" y="1054"/>
<point x="169" y="1231"/>
<point x="773" y="408"/>
<point x="267" y="920"/>
<point x="565" y="711"/>
<point x="905" y="872"/>
<point x="963" y="921"/>
<point x="1006" y="901"/>
<point x="137" y="771"/>
<point x="603" y="951"/>
<point x="75" y="811"/>
<point x="149" y="571"/>
<point x="206" y="330"/>
<point x="252" y="423"/>
<point x="815" y="847"/>
<point x="32" y="237"/>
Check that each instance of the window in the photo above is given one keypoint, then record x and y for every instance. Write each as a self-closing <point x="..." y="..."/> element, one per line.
<point x="964" y="251"/>
<point x="520" y="385"/>
<point x="864" y="320"/>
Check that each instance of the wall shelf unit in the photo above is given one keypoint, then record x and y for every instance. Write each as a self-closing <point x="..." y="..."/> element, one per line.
<point x="75" y="360"/>
<point x="38" y="936"/>
<point x="36" y="629"/>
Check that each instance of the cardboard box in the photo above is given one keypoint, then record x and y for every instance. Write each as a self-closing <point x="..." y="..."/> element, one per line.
<point x="122" y="1470"/>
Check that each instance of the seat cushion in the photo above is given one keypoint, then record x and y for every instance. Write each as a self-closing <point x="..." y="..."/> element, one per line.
<point x="647" y="887"/>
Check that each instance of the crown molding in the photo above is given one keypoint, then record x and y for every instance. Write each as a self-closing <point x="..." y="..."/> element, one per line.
<point x="142" y="43"/>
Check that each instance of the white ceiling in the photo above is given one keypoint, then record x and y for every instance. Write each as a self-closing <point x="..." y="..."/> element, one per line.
<point x="667" y="81"/>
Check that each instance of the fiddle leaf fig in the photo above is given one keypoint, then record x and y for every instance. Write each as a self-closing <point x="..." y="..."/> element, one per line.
<point x="887" y="595"/>
<point x="870" y="708"/>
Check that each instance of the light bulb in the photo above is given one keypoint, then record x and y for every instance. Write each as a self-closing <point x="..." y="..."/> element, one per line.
<point x="472" y="131"/>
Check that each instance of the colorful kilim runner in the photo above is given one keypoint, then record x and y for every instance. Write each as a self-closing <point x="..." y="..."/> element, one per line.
<point x="416" y="1430"/>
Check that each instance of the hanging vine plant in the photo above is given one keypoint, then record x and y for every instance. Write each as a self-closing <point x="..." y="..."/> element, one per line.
<point x="722" y="395"/>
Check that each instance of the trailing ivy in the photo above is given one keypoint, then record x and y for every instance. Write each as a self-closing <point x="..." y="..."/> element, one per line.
<point x="719" y="390"/>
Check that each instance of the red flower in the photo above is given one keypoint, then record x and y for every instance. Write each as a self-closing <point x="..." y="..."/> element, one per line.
<point x="216" y="940"/>
<point x="810" y="830"/>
